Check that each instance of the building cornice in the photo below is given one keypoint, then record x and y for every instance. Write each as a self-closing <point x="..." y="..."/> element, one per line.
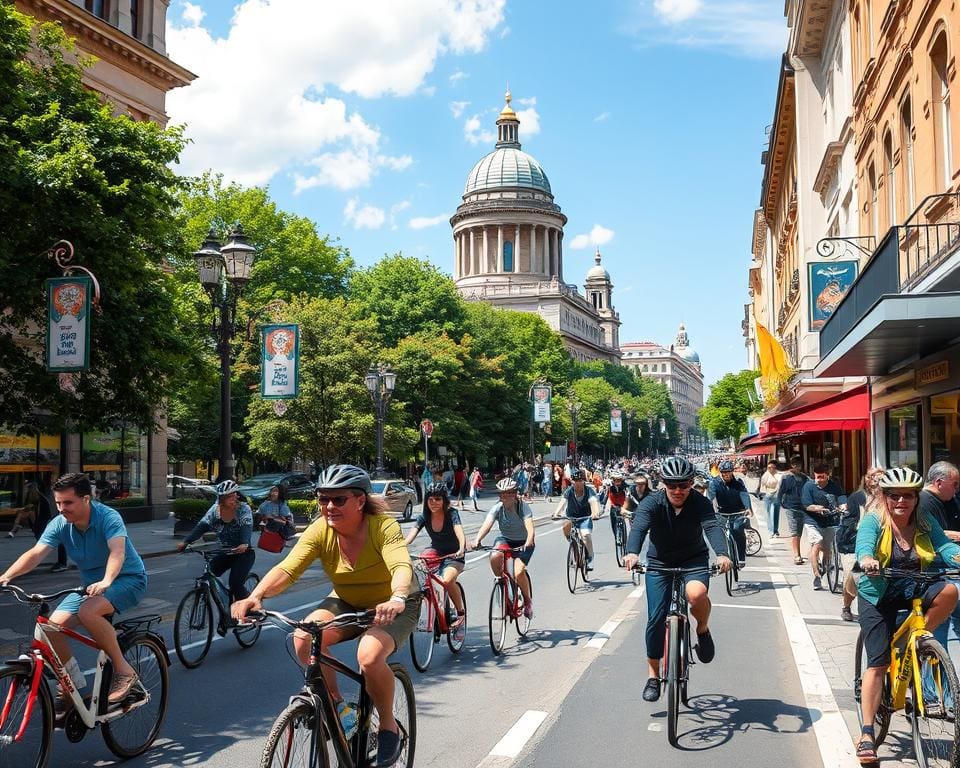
<point x="813" y="20"/>
<point x="505" y="207"/>
<point x="782" y="139"/>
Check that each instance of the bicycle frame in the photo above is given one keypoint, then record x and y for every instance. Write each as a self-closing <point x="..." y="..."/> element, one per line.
<point x="903" y="657"/>
<point x="431" y="592"/>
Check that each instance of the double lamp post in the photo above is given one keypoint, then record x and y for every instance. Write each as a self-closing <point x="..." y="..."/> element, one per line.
<point x="380" y="381"/>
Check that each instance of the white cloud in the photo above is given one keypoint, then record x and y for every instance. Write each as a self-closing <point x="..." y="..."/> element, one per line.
<point x="457" y="108"/>
<point x="457" y="76"/>
<point x="363" y="216"/>
<point x="602" y="117"/>
<point x="675" y="11"/>
<point x="597" y="236"/>
<point x="529" y="122"/>
<point x="254" y="116"/>
<point x="395" y="209"/>
<point x="529" y="102"/>
<point x="475" y="133"/>
<point x="481" y="128"/>
<point x="424" y="222"/>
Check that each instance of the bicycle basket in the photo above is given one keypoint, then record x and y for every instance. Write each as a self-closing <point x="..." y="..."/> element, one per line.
<point x="16" y="625"/>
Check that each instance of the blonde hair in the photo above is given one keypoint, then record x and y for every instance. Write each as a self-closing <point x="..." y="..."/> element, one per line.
<point x="877" y="506"/>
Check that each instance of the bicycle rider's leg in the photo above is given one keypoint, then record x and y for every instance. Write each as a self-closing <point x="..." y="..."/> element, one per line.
<point x="239" y="570"/>
<point x="520" y="573"/>
<point x="740" y="537"/>
<point x="496" y="563"/>
<point x="93" y="615"/>
<point x="372" y="652"/>
<point x="567" y="525"/>
<point x="939" y="600"/>
<point x="60" y="643"/>
<point x="877" y="625"/>
<point x="450" y="573"/>
<point x="614" y="516"/>
<point x="658" y="603"/>
<point x="699" y="604"/>
<point x="586" y="530"/>
<point x="815" y="537"/>
<point x="330" y="607"/>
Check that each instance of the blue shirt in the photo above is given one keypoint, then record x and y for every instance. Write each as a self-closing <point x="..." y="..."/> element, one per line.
<point x="731" y="497"/>
<point x="579" y="508"/>
<point x="88" y="548"/>
<point x="789" y="493"/>
<point x="238" y="531"/>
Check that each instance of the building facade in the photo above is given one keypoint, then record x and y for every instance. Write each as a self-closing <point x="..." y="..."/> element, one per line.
<point x="508" y="249"/>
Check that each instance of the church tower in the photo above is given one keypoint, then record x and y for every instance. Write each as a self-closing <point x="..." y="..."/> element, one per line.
<point x="599" y="289"/>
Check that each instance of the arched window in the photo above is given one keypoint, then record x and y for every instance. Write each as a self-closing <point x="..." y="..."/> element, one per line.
<point x="508" y="256"/>
<point x="940" y="97"/>
<point x="890" y="178"/>
<point x="906" y="142"/>
<point x="874" y="207"/>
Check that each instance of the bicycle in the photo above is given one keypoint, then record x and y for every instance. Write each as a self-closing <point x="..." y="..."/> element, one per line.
<point x="300" y="733"/>
<point x="433" y="621"/>
<point x="922" y="668"/>
<point x="507" y="602"/>
<point x="732" y="576"/>
<point x="833" y="565"/>
<point x="619" y="534"/>
<point x="754" y="542"/>
<point x="193" y="625"/>
<point x="27" y="716"/>
<point x="676" y="662"/>
<point x="576" y="555"/>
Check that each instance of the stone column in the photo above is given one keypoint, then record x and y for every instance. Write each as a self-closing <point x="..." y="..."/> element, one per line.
<point x="554" y="253"/>
<point x="534" y="257"/>
<point x="457" y="266"/>
<point x="485" y="252"/>
<point x="473" y="256"/>
<point x="500" y="265"/>
<point x="560" y="255"/>
<point x="516" y="251"/>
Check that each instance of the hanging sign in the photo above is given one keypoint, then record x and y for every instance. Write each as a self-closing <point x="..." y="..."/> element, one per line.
<point x="68" y="323"/>
<point x="616" y="421"/>
<point x="663" y="426"/>
<point x="280" y="349"/>
<point x="426" y="426"/>
<point x="540" y="396"/>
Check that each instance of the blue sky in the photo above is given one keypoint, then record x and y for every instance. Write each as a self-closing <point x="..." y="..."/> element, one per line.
<point x="648" y="116"/>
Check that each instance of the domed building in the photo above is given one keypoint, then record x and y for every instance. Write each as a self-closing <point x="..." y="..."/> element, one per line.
<point x="508" y="249"/>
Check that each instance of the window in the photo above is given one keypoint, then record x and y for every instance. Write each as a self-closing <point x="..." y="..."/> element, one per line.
<point x="98" y="8"/>
<point x="906" y="141"/>
<point x="874" y="206"/>
<point x="903" y="437"/>
<point x="135" y="18"/>
<point x="945" y="427"/>
<point x="508" y="256"/>
<point x="856" y="49"/>
<point x="890" y="179"/>
<point x="940" y="97"/>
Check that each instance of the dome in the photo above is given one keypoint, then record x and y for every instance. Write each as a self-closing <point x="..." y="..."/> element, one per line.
<point x="597" y="272"/>
<point x="688" y="354"/>
<point x="507" y="167"/>
<point x="682" y="347"/>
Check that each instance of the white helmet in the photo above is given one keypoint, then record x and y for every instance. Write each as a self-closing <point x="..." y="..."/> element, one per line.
<point x="226" y="488"/>
<point x="506" y="485"/>
<point x="901" y="477"/>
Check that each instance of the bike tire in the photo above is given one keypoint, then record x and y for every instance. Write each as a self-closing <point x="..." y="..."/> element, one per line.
<point x="573" y="567"/>
<point x="497" y="617"/>
<point x="424" y="635"/>
<point x="728" y="577"/>
<point x="834" y="578"/>
<point x="454" y="642"/>
<point x="885" y="710"/>
<point x="673" y="677"/>
<point x="620" y="541"/>
<point x="33" y="748"/>
<point x="685" y="663"/>
<point x="937" y="731"/>
<point x="523" y="623"/>
<point x="754" y="541"/>
<point x="196" y="610"/>
<point x="248" y="634"/>
<point x="404" y="712"/>
<point x="289" y="739"/>
<point x="583" y="562"/>
<point x="132" y="734"/>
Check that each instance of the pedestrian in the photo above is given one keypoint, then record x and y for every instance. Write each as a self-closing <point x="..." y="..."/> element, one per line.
<point x="275" y="514"/>
<point x="557" y="478"/>
<point x="548" y="482"/>
<point x="459" y="484"/>
<point x="476" y="485"/>
<point x="789" y="497"/>
<point x="426" y="478"/>
<point x="938" y="499"/>
<point x="769" y="485"/>
<point x="857" y="503"/>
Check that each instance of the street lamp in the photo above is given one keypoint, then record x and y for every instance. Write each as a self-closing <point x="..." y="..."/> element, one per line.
<point x="650" y="425"/>
<point x="224" y="273"/>
<point x="574" y="406"/>
<point x="629" y="414"/>
<point x="380" y="381"/>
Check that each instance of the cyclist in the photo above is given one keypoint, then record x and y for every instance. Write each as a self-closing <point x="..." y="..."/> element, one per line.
<point x="232" y="520"/>
<point x="731" y="497"/>
<point x="113" y="573"/>
<point x="821" y="498"/>
<point x="677" y="520"/>
<point x="616" y="498"/>
<point x="581" y="506"/>
<point x="515" y="520"/>
<point x="364" y="555"/>
<point x="894" y="533"/>
<point x="446" y="541"/>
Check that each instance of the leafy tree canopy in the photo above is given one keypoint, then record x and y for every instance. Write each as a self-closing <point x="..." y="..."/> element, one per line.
<point x="729" y="404"/>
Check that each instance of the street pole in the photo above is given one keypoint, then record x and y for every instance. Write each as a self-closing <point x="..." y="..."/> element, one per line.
<point x="650" y="425"/>
<point x="226" y="417"/>
<point x="380" y="381"/>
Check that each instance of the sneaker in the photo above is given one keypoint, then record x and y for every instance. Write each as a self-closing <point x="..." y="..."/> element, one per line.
<point x="10" y="535"/>
<point x="706" y="650"/>
<point x="528" y="608"/>
<point x="348" y="718"/>
<point x="121" y="686"/>
<point x="389" y="748"/>
<point x="59" y="568"/>
<point x="817" y="584"/>
<point x="589" y="563"/>
<point x="846" y="614"/>
<point x="651" y="691"/>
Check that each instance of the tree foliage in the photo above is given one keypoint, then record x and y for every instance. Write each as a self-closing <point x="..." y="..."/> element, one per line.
<point x="729" y="404"/>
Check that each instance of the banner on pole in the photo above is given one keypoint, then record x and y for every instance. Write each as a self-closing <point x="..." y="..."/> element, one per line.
<point x="68" y="323"/>
<point x="663" y="426"/>
<point x="280" y="350"/>
<point x="541" y="395"/>
<point x="616" y="421"/>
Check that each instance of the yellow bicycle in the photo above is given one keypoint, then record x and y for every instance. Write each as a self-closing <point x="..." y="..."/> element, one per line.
<point x="921" y="681"/>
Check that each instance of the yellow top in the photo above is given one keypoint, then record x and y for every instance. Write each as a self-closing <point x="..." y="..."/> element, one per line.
<point x="365" y="584"/>
<point x="507" y="111"/>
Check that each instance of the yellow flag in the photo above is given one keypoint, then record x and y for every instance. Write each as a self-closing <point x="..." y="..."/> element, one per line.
<point x="773" y="360"/>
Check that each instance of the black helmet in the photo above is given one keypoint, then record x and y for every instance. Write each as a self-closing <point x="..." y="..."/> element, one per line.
<point x="437" y="489"/>
<point x="338" y="476"/>
<point x="676" y="469"/>
<point x="726" y="466"/>
<point x="575" y="474"/>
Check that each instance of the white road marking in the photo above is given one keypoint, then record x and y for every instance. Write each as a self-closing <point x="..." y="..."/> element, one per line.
<point x="622" y="613"/>
<point x="517" y="737"/>
<point x="158" y="570"/>
<point x="484" y="555"/>
<point x="655" y="727"/>
<point x="745" y="605"/>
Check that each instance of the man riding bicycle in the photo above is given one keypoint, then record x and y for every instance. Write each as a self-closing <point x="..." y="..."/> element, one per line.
<point x="677" y="520"/>
<point x="582" y="507"/>
<point x="821" y="499"/>
<point x="731" y="497"/>
<point x="113" y="573"/>
<point x="616" y="498"/>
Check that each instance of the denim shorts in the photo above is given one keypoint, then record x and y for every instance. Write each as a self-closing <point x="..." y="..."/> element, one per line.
<point x="585" y="524"/>
<point x="523" y="557"/>
<point x="123" y="594"/>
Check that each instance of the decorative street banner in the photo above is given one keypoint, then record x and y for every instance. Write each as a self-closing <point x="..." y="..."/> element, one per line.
<point x="828" y="283"/>
<point x="281" y="356"/>
<point x="616" y="421"/>
<point x="541" y="395"/>
<point x="663" y="426"/>
<point x="68" y="323"/>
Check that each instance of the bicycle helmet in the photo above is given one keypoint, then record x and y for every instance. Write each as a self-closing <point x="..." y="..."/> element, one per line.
<point x="616" y="475"/>
<point x="901" y="477"/>
<point x="726" y="466"/>
<point x="226" y="488"/>
<point x="575" y="474"/>
<point x="700" y="482"/>
<point x="338" y="476"/>
<point x="676" y="469"/>
<point x="438" y="489"/>
<point x="506" y="485"/>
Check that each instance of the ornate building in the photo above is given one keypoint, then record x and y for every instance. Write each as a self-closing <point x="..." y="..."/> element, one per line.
<point x="508" y="249"/>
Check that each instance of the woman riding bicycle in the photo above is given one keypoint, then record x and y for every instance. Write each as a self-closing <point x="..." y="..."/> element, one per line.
<point x="362" y="551"/>
<point x="447" y="541"/>
<point x="895" y="534"/>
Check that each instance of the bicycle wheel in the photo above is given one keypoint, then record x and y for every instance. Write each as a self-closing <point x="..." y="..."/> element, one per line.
<point x="248" y="634"/>
<point x="936" y="730"/>
<point x="685" y="663"/>
<point x="193" y="628"/>
<point x="523" y="623"/>
<point x="32" y="750"/>
<point x="882" y="720"/>
<point x="457" y="637"/>
<point x="754" y="542"/>
<point x="424" y="635"/>
<point x="673" y="677"/>
<point x="583" y="561"/>
<point x="620" y="541"/>
<point x="573" y="566"/>
<point x="132" y="734"/>
<point x="728" y="577"/>
<point x="834" y="577"/>
<point x="288" y="743"/>
<point x="404" y="712"/>
<point x="498" y="616"/>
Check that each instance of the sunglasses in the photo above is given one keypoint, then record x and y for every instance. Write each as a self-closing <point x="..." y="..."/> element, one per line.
<point x="677" y="486"/>
<point x="338" y="501"/>
<point x="898" y="496"/>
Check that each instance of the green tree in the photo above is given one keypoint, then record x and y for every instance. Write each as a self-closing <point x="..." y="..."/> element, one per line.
<point x="620" y="377"/>
<point x="729" y="404"/>
<point x="72" y="170"/>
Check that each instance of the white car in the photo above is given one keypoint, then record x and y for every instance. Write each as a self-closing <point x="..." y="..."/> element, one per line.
<point x="179" y="487"/>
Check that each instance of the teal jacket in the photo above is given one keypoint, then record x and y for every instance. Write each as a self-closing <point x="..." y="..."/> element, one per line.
<point x="873" y="540"/>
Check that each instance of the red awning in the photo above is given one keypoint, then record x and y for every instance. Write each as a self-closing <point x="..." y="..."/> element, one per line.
<point x="758" y="450"/>
<point x="846" y="411"/>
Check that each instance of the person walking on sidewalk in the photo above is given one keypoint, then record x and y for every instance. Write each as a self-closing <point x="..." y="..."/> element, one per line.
<point x="847" y="535"/>
<point x="938" y="498"/>
<point x="769" y="485"/>
<point x="476" y="485"/>
<point x="788" y="496"/>
<point x="822" y="499"/>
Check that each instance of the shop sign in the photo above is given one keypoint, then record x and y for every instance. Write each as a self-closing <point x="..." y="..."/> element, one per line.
<point x="933" y="373"/>
<point x="541" y="395"/>
<point x="827" y="284"/>
<point x="280" y="347"/>
<point x="68" y="323"/>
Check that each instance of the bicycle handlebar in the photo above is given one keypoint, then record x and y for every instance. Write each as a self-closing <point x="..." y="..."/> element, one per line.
<point x="899" y="573"/>
<point x="359" y="618"/>
<point x="26" y="597"/>
<point x="491" y="548"/>
<point x="713" y="569"/>
<point x="207" y="553"/>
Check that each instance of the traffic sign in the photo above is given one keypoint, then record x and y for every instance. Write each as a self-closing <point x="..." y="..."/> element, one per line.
<point x="426" y="426"/>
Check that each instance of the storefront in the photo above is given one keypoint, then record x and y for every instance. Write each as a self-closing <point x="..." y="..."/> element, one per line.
<point x="117" y="461"/>
<point x="25" y="459"/>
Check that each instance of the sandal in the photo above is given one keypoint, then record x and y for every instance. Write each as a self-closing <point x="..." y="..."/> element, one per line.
<point x="867" y="751"/>
<point x="121" y="686"/>
<point x="798" y="561"/>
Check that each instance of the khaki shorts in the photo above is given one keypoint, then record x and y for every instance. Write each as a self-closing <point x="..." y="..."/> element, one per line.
<point x="399" y="629"/>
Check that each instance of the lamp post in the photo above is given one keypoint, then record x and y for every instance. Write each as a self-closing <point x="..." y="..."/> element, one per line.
<point x="574" y="406"/>
<point x="224" y="273"/>
<point x="650" y="433"/>
<point x="380" y="381"/>
<point x="629" y="414"/>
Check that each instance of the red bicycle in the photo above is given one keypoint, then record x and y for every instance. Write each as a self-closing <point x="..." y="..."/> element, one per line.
<point x="435" y="611"/>
<point x="507" y="601"/>
<point x="27" y="716"/>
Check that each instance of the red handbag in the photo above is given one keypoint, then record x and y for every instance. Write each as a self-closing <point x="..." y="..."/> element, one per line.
<point x="271" y="541"/>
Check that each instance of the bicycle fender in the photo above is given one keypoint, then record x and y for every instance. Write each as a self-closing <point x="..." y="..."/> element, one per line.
<point x="125" y="639"/>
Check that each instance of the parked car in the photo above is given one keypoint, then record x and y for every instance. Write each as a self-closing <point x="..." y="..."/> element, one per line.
<point x="189" y="488"/>
<point x="296" y="485"/>
<point x="399" y="496"/>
